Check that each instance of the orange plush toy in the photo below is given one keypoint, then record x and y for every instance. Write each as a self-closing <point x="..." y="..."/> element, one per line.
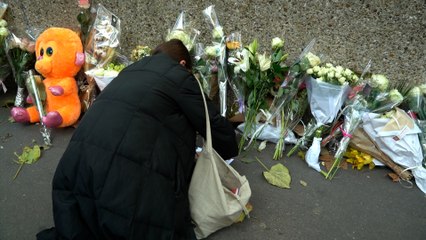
<point x="59" y="53"/>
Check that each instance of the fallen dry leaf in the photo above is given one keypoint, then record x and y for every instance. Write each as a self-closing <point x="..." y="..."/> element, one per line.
<point x="394" y="177"/>
<point x="299" y="129"/>
<point x="326" y="158"/>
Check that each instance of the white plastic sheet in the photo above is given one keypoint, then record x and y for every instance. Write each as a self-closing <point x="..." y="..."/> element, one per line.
<point x="270" y="133"/>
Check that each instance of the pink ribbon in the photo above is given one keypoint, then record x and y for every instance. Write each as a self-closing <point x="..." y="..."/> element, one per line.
<point x="345" y="134"/>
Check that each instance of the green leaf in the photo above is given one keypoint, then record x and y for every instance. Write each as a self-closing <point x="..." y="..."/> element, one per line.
<point x="253" y="47"/>
<point x="262" y="146"/>
<point x="278" y="176"/>
<point x="29" y="155"/>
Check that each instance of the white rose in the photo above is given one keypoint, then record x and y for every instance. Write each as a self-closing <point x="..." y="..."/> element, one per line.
<point x="355" y="78"/>
<point x="3" y="23"/>
<point x="395" y="96"/>
<point x="182" y="36"/>
<point x="379" y="81"/>
<point x="330" y="75"/>
<point x="415" y="92"/>
<point x="310" y="71"/>
<point x="322" y="72"/>
<point x="313" y="59"/>
<point x="339" y="69"/>
<point x="211" y="51"/>
<point x="423" y="88"/>
<point x="277" y="43"/>
<point x="3" y="32"/>
<point x="348" y="72"/>
<point x="342" y="80"/>
<point x="218" y="32"/>
<point x="316" y="69"/>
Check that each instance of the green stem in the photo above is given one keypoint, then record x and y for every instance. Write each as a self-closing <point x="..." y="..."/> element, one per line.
<point x="333" y="168"/>
<point x="19" y="170"/>
<point x="261" y="163"/>
<point x="293" y="149"/>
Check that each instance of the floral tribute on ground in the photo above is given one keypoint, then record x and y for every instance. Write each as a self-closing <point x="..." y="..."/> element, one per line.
<point x="329" y="114"/>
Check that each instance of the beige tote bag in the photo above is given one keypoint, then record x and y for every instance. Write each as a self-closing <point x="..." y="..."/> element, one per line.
<point x="218" y="194"/>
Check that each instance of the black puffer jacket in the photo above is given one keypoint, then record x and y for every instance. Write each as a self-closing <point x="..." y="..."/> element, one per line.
<point x="126" y="171"/>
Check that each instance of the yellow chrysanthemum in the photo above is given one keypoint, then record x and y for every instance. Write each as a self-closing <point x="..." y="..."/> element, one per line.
<point x="359" y="159"/>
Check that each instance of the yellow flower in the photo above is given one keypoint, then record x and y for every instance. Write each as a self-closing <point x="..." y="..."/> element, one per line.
<point x="359" y="159"/>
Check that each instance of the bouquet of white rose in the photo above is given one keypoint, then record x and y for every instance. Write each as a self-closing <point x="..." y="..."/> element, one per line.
<point x="372" y="96"/>
<point x="183" y="32"/>
<point x="216" y="54"/>
<point x="201" y="69"/>
<point x="328" y="88"/>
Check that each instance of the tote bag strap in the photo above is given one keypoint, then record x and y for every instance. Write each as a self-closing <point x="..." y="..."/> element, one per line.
<point x="208" y="130"/>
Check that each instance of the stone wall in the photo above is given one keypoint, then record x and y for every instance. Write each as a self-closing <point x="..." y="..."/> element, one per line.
<point x="392" y="33"/>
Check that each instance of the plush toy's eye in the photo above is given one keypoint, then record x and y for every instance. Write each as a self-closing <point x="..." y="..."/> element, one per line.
<point x="41" y="52"/>
<point x="49" y="51"/>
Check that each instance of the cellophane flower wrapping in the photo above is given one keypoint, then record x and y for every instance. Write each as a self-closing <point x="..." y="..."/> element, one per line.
<point x="4" y="64"/>
<point x="100" y="47"/>
<point x="371" y="96"/>
<point x="378" y="96"/>
<point x="103" y="39"/>
<point x="234" y="48"/>
<point x="396" y="134"/>
<point x="290" y="102"/>
<point x="182" y="31"/>
<point x="3" y="8"/>
<point x="216" y="54"/>
<point x="103" y="76"/>
<point x="416" y="101"/>
<point x="37" y="93"/>
<point x="325" y="100"/>
<point x="21" y="57"/>
<point x="268" y="68"/>
<point x="201" y="68"/>
<point x="352" y="113"/>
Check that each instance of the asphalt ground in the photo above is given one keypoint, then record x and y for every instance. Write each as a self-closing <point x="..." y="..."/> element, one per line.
<point x="354" y="205"/>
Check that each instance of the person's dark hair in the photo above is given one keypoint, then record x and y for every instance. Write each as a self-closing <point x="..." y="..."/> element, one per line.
<point x="176" y="50"/>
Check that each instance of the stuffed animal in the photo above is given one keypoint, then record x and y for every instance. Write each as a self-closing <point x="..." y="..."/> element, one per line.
<point x="59" y="53"/>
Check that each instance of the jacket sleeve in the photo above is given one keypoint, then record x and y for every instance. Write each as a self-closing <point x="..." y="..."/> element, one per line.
<point x="191" y="102"/>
